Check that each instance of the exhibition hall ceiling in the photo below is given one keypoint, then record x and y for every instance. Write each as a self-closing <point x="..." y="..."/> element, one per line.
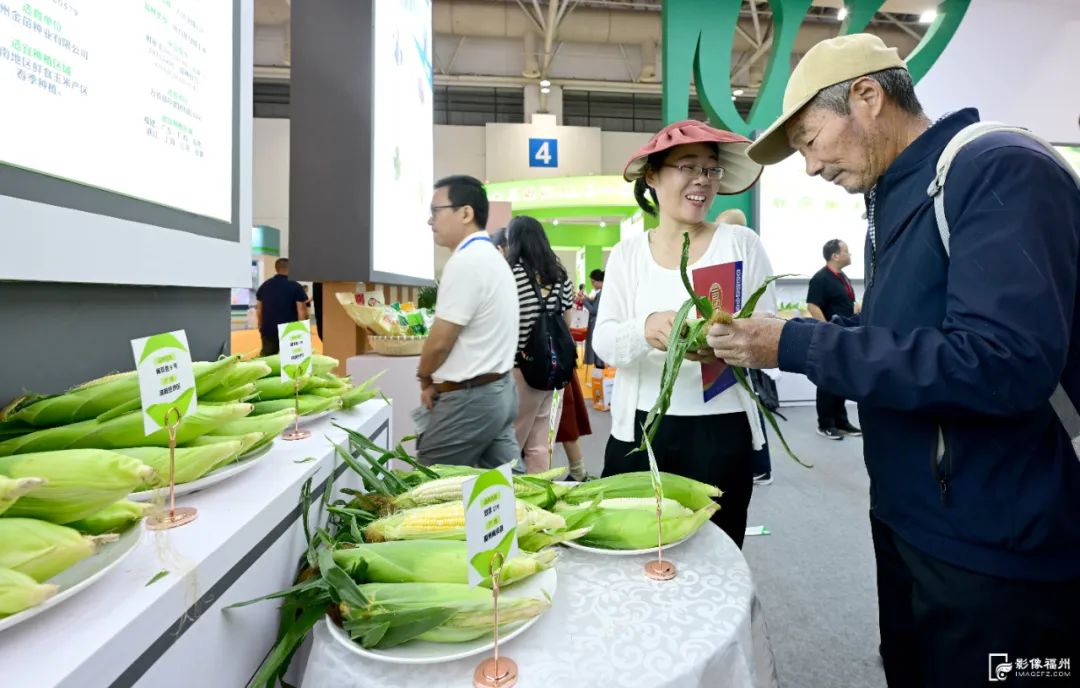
<point x="612" y="43"/>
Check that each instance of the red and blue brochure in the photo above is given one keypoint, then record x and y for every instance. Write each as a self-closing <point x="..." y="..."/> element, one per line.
<point x="722" y="285"/>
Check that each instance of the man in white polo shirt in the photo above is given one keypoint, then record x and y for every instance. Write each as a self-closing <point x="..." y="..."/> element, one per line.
<point x="464" y="367"/>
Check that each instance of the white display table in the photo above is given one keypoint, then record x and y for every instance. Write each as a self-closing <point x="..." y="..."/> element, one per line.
<point x="246" y="542"/>
<point x="398" y="384"/>
<point x="609" y="626"/>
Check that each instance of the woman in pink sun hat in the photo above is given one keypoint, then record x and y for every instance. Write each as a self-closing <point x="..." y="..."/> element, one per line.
<point x="712" y="427"/>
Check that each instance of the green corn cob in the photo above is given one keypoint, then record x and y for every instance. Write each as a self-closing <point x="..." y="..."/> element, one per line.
<point x="329" y="381"/>
<point x="309" y="405"/>
<point x="191" y="463"/>
<point x="319" y="364"/>
<point x="245" y="372"/>
<point x="686" y="491"/>
<point x="271" y="388"/>
<point x="630" y="523"/>
<point x="78" y="482"/>
<point x="227" y="394"/>
<point x="247" y="442"/>
<point x="113" y="394"/>
<point x="13" y="488"/>
<point x="114" y="518"/>
<point x="270" y="425"/>
<point x="327" y="392"/>
<point x="41" y="550"/>
<point x="429" y="561"/>
<point x="457" y="613"/>
<point x="19" y="591"/>
<point x="124" y="431"/>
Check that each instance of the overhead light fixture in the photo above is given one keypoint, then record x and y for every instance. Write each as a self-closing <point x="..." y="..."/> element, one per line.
<point x="841" y="14"/>
<point x="928" y="17"/>
<point x="737" y="92"/>
<point x="544" y="83"/>
<point x="733" y="97"/>
<point x="545" y="90"/>
<point x="555" y="222"/>
<point x="602" y="224"/>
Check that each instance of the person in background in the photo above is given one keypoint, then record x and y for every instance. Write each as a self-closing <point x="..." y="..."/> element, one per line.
<point x="592" y="304"/>
<point x="573" y="424"/>
<point x="683" y="168"/>
<point x="316" y="299"/>
<point x="280" y="300"/>
<point x="965" y="363"/>
<point x="465" y="364"/>
<point x="733" y="216"/>
<point x="831" y="295"/>
<point x="537" y="270"/>
<point x="498" y="237"/>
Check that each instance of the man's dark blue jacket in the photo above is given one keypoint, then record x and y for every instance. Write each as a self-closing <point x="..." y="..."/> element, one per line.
<point x="970" y="346"/>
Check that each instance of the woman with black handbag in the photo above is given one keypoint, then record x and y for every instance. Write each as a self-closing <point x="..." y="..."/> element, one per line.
<point x="546" y="352"/>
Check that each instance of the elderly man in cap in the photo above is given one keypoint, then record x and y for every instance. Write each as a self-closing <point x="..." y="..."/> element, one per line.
<point x="964" y="362"/>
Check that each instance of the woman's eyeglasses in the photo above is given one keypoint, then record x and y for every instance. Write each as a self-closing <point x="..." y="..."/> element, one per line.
<point x="713" y="174"/>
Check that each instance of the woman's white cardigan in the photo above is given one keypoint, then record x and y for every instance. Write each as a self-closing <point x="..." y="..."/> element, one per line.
<point x="619" y="337"/>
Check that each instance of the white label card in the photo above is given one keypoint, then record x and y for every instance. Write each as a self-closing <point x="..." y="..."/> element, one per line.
<point x="294" y="341"/>
<point x="490" y="521"/>
<point x="166" y="378"/>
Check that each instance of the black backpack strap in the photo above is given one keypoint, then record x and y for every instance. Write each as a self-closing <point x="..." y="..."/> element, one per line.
<point x="536" y="290"/>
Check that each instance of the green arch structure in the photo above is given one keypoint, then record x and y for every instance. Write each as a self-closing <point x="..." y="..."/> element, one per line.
<point x="558" y="198"/>
<point x="698" y="37"/>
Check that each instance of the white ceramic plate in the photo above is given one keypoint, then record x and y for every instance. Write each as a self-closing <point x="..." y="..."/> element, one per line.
<point x="304" y="420"/>
<point x="425" y="652"/>
<point x="625" y="552"/>
<point x="224" y="473"/>
<point x="82" y="574"/>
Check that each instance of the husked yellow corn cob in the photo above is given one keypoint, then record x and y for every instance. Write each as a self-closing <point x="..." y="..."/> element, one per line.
<point x="19" y="591"/>
<point x="446" y="521"/>
<point x="41" y="550"/>
<point x="448" y="489"/>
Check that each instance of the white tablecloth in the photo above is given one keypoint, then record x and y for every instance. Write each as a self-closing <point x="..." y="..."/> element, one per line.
<point x="609" y="626"/>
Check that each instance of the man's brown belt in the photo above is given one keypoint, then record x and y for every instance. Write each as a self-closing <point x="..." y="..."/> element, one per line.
<point x="478" y="381"/>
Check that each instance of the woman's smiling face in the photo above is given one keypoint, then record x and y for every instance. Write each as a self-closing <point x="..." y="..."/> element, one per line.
<point x="685" y="196"/>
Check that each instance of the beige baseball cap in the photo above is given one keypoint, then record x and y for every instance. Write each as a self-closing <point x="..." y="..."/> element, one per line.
<point x="826" y="64"/>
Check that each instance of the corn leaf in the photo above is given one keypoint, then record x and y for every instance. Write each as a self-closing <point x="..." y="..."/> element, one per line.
<point x="740" y="375"/>
<point x="342" y="588"/>
<point x="751" y="303"/>
<point x="277" y="663"/>
<point x="654" y="470"/>
<point x="702" y="303"/>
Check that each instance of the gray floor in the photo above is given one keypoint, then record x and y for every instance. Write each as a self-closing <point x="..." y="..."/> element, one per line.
<point x="815" y="572"/>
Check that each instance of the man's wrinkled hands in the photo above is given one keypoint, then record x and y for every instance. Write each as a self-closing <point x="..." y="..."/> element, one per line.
<point x="747" y="342"/>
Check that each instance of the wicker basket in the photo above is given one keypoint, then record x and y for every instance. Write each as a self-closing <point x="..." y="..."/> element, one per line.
<point x="367" y="317"/>
<point x="397" y="346"/>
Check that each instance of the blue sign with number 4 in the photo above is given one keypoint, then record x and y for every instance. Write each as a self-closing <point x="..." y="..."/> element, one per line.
<point x="543" y="152"/>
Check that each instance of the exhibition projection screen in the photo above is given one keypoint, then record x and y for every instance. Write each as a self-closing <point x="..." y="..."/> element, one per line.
<point x="121" y="155"/>
<point x="797" y="214"/>
<point x="403" y="251"/>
